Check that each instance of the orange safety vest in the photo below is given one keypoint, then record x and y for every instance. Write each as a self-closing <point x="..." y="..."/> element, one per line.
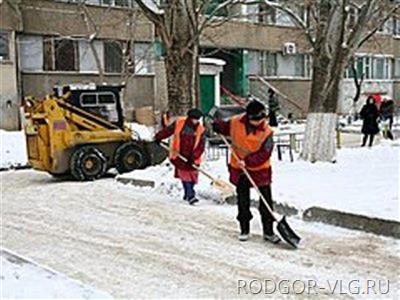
<point x="244" y="144"/>
<point x="176" y="139"/>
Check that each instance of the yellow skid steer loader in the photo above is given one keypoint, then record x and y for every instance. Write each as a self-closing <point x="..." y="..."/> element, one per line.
<point x="80" y="130"/>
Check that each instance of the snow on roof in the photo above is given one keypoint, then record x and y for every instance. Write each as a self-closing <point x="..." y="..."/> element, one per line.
<point x="212" y="61"/>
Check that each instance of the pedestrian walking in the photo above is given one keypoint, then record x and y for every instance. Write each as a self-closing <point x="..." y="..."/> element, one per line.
<point x="369" y="114"/>
<point x="387" y="112"/>
<point x="273" y="106"/>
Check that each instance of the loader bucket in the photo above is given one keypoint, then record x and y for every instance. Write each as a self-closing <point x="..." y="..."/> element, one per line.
<point x="155" y="152"/>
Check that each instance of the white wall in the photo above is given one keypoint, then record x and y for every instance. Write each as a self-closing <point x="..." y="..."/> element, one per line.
<point x="9" y="97"/>
<point x="348" y="90"/>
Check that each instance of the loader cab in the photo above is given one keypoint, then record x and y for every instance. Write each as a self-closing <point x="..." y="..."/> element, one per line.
<point x="103" y="101"/>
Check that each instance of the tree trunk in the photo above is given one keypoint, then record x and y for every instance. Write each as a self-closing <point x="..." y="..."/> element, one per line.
<point x="319" y="143"/>
<point x="181" y="78"/>
<point x="177" y="33"/>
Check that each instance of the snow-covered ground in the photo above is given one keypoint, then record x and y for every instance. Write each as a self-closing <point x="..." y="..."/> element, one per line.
<point x="137" y="243"/>
<point x="363" y="181"/>
<point x="13" y="149"/>
<point x="21" y="278"/>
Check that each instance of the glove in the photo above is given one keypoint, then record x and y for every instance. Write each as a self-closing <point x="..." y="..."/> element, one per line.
<point x="190" y="161"/>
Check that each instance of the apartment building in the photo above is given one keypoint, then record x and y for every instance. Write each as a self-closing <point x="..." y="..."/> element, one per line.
<point x="45" y="43"/>
<point x="48" y="42"/>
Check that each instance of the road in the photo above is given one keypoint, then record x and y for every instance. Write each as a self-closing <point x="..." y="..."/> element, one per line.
<point x="137" y="243"/>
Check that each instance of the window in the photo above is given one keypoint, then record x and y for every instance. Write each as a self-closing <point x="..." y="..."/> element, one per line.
<point x="87" y="61"/>
<point x="97" y="99"/>
<point x="88" y="100"/>
<point x="373" y="67"/>
<point x="103" y="104"/>
<point x="254" y="63"/>
<point x="267" y="15"/>
<point x="60" y="54"/>
<point x="113" y="57"/>
<point x="106" y="98"/>
<point x="212" y="5"/>
<point x="270" y="16"/>
<point x="386" y="28"/>
<point x="123" y="3"/>
<point x="276" y="64"/>
<point x="65" y="55"/>
<point x="144" y="58"/>
<point x="396" y="27"/>
<point x="268" y="63"/>
<point x="31" y="52"/>
<point x="4" y="45"/>
<point x="397" y="68"/>
<point x="293" y="65"/>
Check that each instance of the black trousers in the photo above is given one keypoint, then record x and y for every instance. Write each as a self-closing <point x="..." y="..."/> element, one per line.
<point x="371" y="139"/>
<point x="244" y="214"/>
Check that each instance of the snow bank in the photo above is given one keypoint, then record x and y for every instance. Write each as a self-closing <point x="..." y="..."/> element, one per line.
<point x="145" y="132"/>
<point x="364" y="181"/>
<point x="21" y="278"/>
<point x="13" y="149"/>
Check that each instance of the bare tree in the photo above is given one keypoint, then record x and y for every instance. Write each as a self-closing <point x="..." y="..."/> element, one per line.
<point x="179" y="24"/>
<point x="334" y="35"/>
<point x="358" y="81"/>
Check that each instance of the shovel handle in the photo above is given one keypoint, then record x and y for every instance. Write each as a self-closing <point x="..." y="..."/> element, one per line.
<point x="193" y="165"/>
<point x="249" y="177"/>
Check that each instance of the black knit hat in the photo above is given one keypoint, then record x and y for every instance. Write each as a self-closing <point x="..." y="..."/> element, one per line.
<point x="195" y="113"/>
<point x="255" y="110"/>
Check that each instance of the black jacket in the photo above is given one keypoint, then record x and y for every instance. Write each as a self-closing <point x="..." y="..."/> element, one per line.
<point x="369" y="113"/>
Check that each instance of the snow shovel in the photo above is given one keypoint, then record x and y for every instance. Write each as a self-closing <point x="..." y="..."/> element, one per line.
<point x="283" y="227"/>
<point x="226" y="188"/>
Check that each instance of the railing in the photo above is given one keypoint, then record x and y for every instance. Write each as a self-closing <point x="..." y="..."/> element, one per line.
<point x="235" y="98"/>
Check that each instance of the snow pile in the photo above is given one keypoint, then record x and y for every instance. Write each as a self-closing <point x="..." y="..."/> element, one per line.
<point x="166" y="184"/>
<point x="144" y="132"/>
<point x="13" y="149"/>
<point x="364" y="181"/>
<point x="21" y="278"/>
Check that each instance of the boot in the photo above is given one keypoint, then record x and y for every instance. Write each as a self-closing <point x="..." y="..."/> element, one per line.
<point x="269" y="235"/>
<point x="193" y="201"/>
<point x="273" y="238"/>
<point x="244" y="231"/>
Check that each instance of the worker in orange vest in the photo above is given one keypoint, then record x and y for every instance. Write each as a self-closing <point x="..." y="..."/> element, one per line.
<point x="251" y="139"/>
<point x="188" y="140"/>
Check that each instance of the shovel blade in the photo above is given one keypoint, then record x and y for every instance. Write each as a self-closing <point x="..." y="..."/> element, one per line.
<point x="287" y="233"/>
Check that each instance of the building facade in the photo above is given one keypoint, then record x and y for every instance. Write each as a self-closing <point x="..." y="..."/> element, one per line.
<point x="48" y="42"/>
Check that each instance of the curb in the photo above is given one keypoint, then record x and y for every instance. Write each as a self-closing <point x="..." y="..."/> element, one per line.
<point x="136" y="182"/>
<point x="389" y="228"/>
<point x="25" y="167"/>
<point x="379" y="226"/>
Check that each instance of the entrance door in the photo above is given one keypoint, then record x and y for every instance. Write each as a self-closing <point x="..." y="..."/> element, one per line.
<point x="207" y="92"/>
